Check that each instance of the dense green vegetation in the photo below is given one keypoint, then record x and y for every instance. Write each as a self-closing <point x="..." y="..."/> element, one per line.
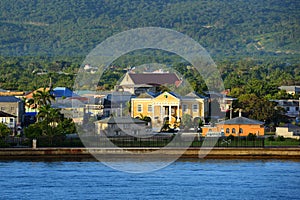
<point x="226" y="28"/>
<point x="50" y="122"/>
<point x="255" y="43"/>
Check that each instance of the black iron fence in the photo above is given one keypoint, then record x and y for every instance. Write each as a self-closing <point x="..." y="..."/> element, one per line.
<point x="154" y="141"/>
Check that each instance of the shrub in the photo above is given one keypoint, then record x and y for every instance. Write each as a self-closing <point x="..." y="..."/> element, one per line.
<point x="271" y="138"/>
<point x="251" y="136"/>
<point x="280" y="138"/>
<point x="230" y="137"/>
<point x="4" y="130"/>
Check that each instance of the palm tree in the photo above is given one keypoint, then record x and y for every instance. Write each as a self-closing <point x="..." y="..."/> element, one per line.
<point x="50" y="115"/>
<point x="41" y="98"/>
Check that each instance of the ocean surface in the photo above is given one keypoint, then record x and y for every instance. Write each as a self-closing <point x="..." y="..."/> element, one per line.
<point x="183" y="179"/>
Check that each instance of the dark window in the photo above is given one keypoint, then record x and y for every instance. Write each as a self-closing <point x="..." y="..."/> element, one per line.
<point x="233" y="130"/>
<point x="227" y="130"/>
<point x="241" y="130"/>
<point x="139" y="108"/>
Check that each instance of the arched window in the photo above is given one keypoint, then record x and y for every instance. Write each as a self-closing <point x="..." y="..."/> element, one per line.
<point x="233" y="130"/>
<point x="241" y="130"/>
<point x="227" y="130"/>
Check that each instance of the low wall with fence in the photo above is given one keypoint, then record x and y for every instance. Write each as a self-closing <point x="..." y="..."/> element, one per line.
<point x="215" y="153"/>
<point x="130" y="141"/>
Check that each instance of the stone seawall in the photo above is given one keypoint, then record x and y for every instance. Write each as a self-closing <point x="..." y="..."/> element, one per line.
<point x="220" y="153"/>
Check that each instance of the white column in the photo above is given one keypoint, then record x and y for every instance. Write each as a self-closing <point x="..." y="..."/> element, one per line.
<point x="161" y="112"/>
<point x="178" y="112"/>
<point x="169" y="114"/>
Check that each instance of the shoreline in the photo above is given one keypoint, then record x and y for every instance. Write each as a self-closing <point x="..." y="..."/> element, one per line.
<point x="152" y="153"/>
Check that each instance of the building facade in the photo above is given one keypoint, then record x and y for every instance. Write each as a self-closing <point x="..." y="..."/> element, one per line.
<point x="293" y="89"/>
<point x="291" y="106"/>
<point x="9" y="120"/>
<point x="121" y="126"/>
<point x="13" y="106"/>
<point x="239" y="126"/>
<point x="167" y="106"/>
<point x="288" y="131"/>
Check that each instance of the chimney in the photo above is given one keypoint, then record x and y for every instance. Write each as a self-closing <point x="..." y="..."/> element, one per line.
<point x="240" y="112"/>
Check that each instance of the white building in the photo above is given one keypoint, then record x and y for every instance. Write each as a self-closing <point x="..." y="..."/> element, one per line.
<point x="288" y="131"/>
<point x="291" y="106"/>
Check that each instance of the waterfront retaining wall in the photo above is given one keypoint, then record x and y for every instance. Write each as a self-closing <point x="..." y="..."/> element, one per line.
<point x="230" y="153"/>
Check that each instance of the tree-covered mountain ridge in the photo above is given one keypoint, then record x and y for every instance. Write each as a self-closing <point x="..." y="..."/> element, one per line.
<point x="226" y="28"/>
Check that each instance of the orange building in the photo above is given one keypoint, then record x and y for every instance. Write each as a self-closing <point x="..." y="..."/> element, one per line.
<point x="239" y="126"/>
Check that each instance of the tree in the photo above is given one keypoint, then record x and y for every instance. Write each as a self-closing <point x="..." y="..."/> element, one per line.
<point x="49" y="114"/>
<point x="4" y="130"/>
<point x="41" y="98"/>
<point x="50" y="117"/>
<point x="187" y="121"/>
<point x="259" y="108"/>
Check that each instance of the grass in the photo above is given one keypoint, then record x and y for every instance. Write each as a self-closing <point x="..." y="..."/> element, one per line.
<point x="286" y="142"/>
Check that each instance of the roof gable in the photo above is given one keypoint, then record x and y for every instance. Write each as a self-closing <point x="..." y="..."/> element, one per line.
<point x="167" y="96"/>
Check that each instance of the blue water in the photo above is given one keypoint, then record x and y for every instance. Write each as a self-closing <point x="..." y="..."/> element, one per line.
<point x="184" y="179"/>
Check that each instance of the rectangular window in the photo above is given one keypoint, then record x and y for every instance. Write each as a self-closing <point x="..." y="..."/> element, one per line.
<point x="149" y="108"/>
<point x="195" y="107"/>
<point x="184" y="108"/>
<point x="139" y="108"/>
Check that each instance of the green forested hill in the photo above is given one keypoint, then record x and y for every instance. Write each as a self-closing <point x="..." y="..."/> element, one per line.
<point x="226" y="28"/>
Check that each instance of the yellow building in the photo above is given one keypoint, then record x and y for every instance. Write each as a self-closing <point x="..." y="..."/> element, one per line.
<point x="168" y="106"/>
<point x="195" y="105"/>
<point x="239" y="126"/>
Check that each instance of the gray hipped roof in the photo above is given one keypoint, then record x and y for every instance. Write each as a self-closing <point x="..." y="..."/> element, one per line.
<point x="154" y="78"/>
<point x="242" y="120"/>
<point x="121" y="120"/>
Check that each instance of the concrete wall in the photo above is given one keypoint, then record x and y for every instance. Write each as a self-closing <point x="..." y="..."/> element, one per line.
<point x="227" y="153"/>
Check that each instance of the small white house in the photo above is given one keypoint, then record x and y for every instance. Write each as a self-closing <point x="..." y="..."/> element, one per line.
<point x="8" y="119"/>
<point x="288" y="131"/>
<point x="291" y="106"/>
